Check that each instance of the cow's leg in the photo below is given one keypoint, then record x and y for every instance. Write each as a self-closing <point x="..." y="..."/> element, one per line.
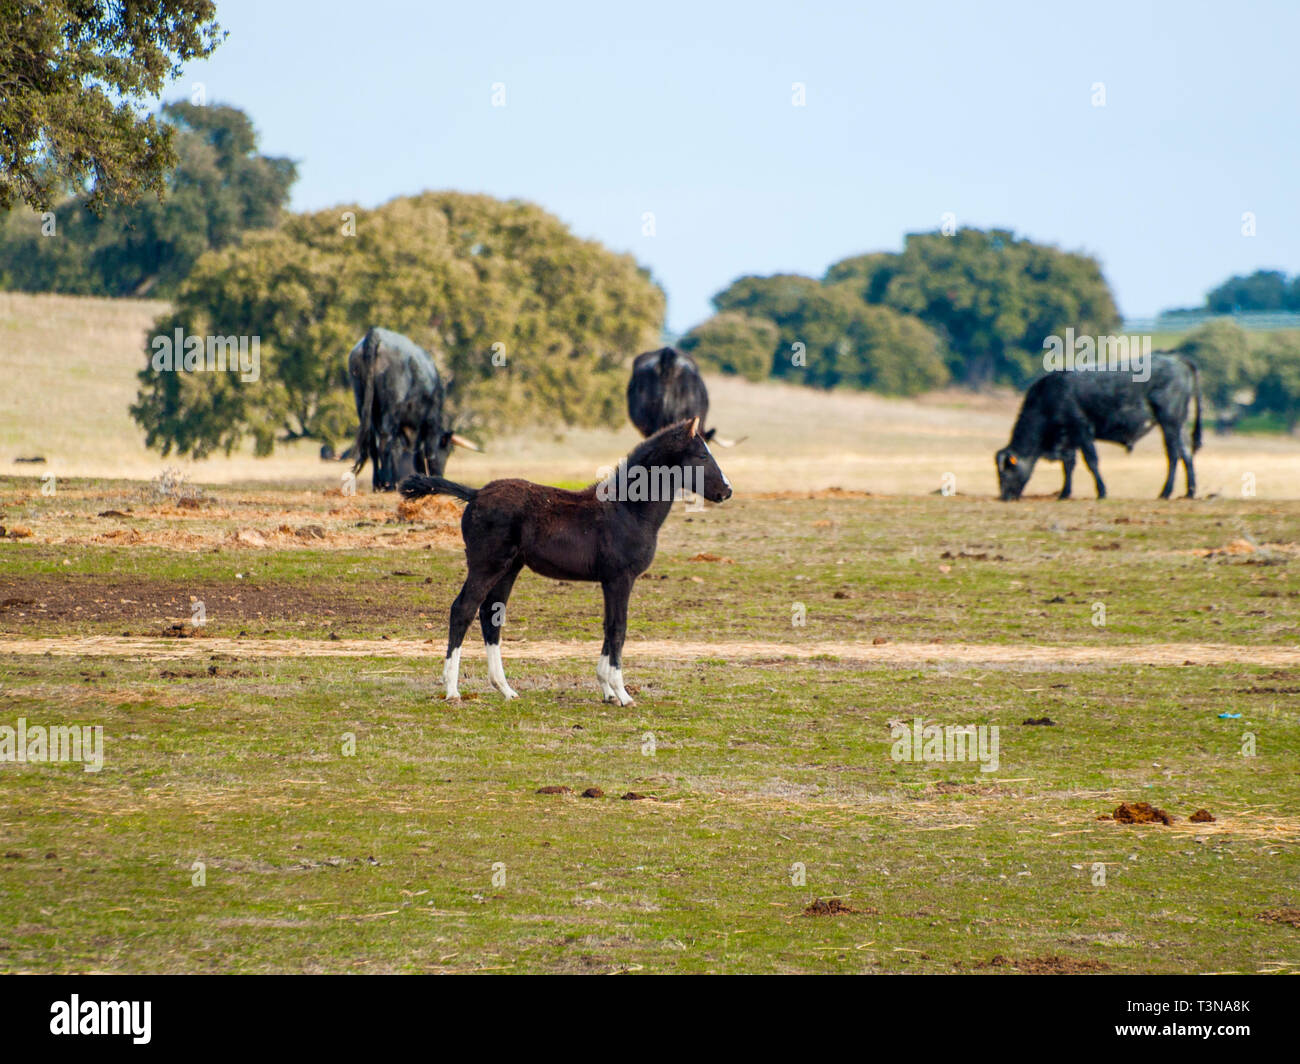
<point x="376" y="456"/>
<point x="477" y="584"/>
<point x="492" y="618"/>
<point x="383" y="464"/>
<point x="1173" y="451"/>
<point x="382" y="460"/>
<point x="1089" y="450"/>
<point x="1185" y="447"/>
<point x="610" y="670"/>
<point x="1068" y="463"/>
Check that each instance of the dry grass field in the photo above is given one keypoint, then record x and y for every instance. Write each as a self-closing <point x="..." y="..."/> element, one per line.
<point x="70" y="369"/>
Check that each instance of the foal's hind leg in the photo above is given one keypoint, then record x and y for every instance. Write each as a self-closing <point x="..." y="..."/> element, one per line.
<point x="475" y="589"/>
<point x="610" y="670"/>
<point x="492" y="618"/>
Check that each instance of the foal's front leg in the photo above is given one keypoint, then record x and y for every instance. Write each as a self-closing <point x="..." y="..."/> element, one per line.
<point x="492" y="618"/>
<point x="471" y="596"/>
<point x="610" y="670"/>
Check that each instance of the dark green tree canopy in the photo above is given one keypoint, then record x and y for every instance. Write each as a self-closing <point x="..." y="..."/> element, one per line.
<point x="1262" y="290"/>
<point x="72" y="75"/>
<point x="1227" y="363"/>
<point x="870" y="273"/>
<point x="827" y="336"/>
<point x="219" y="188"/>
<point x="975" y="305"/>
<point x="994" y="298"/>
<point x="1278" y="391"/>
<point x="732" y="343"/>
<point x="531" y="324"/>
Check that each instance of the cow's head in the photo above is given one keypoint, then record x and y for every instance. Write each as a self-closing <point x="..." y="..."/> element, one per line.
<point x="1013" y="473"/>
<point x="442" y="451"/>
<point x="406" y="461"/>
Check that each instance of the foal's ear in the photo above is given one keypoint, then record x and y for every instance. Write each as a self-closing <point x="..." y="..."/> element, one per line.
<point x="695" y="427"/>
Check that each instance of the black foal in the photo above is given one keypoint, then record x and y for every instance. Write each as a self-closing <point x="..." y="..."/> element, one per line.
<point x="605" y="532"/>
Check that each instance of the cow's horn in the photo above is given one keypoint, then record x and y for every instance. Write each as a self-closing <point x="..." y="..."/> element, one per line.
<point x="722" y="441"/>
<point x="460" y="441"/>
<point x="695" y="426"/>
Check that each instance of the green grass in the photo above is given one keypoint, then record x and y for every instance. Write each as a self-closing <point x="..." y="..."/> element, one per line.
<point x="383" y="860"/>
<point x="756" y="769"/>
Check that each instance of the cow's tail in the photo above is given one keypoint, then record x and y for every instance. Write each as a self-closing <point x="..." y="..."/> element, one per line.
<point x="364" y="446"/>
<point x="1196" y="425"/>
<point x="417" y="486"/>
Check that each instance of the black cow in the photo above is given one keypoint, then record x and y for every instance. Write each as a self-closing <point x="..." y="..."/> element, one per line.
<point x="399" y="399"/>
<point x="1064" y="412"/>
<point x="666" y="388"/>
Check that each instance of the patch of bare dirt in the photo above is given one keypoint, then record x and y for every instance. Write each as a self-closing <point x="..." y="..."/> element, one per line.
<point x="1048" y="965"/>
<point x="164" y="602"/>
<point x="981" y="789"/>
<point x="1287" y="915"/>
<point x="1029" y="657"/>
<point x="1239" y="547"/>
<point x="432" y="509"/>
<point x="328" y="520"/>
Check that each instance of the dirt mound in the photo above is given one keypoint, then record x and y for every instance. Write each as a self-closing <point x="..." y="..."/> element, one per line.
<point x="432" y="509"/>
<point x="1202" y="816"/>
<point x="1048" y="965"/>
<point x="1239" y="547"/>
<point x="553" y="789"/>
<point x="1286" y="915"/>
<point x="1138" y="813"/>
<point x="259" y="521"/>
<point x="832" y="907"/>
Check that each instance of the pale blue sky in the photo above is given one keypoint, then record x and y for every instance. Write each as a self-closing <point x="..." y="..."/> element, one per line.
<point x="913" y="109"/>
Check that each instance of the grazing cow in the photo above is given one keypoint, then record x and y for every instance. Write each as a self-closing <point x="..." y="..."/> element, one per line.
<point x="399" y="398"/>
<point x="603" y="533"/>
<point x="665" y="388"/>
<point x="1068" y="411"/>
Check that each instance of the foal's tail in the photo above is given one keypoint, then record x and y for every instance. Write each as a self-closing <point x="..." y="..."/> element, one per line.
<point x="417" y="486"/>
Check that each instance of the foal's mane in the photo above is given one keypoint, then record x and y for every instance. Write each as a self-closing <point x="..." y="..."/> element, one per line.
<point x="663" y="448"/>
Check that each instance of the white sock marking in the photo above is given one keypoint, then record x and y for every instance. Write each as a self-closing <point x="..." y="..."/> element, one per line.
<point x="602" y="675"/>
<point x="497" y="671"/>
<point x="620" y="692"/>
<point x="451" y="673"/>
